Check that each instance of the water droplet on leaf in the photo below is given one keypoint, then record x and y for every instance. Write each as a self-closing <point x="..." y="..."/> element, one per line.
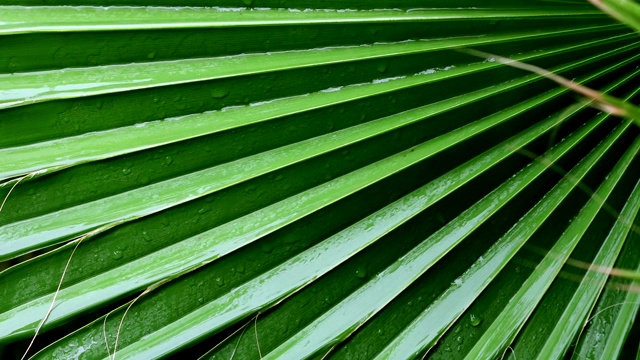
<point x="219" y="93"/>
<point x="241" y="269"/>
<point x="474" y="320"/>
<point x="267" y="248"/>
<point x="117" y="255"/>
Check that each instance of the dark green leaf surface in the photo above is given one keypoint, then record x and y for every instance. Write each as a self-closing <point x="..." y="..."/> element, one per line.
<point x="299" y="180"/>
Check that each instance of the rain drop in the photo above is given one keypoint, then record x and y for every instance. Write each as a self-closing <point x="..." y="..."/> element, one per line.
<point x="284" y="329"/>
<point x="474" y="320"/>
<point x="267" y="248"/>
<point x="117" y="254"/>
<point x="219" y="93"/>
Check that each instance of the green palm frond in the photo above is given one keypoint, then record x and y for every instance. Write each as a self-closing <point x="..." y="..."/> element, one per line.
<point x="626" y="11"/>
<point x="288" y="180"/>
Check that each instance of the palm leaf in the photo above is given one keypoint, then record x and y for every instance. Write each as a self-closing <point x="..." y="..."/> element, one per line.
<point x="260" y="180"/>
<point x="626" y="11"/>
